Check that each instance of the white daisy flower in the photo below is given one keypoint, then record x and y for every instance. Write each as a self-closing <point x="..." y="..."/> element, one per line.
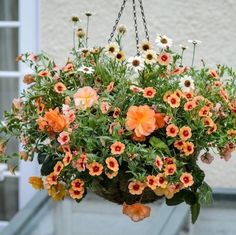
<point x="85" y="69"/>
<point x="195" y="41"/>
<point x="186" y="84"/>
<point x="163" y="41"/>
<point x="150" y="57"/>
<point x="144" y="46"/>
<point x="112" y="49"/>
<point x="136" y="63"/>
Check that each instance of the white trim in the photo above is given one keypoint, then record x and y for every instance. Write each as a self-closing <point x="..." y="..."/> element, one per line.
<point x="9" y="74"/>
<point x="3" y="224"/>
<point x="9" y="24"/>
<point x="28" y="42"/>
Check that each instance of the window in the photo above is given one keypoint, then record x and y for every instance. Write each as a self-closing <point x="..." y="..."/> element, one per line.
<point x="18" y="34"/>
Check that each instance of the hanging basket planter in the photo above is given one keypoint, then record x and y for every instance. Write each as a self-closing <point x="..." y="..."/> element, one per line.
<point x="130" y="129"/>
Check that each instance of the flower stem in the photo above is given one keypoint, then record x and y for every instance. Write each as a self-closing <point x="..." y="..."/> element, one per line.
<point x="182" y="55"/>
<point x="74" y="36"/>
<point x="87" y="31"/>
<point x="194" y="50"/>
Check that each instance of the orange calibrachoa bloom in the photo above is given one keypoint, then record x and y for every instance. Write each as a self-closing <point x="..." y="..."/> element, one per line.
<point x="149" y="92"/>
<point x="111" y="174"/>
<point x="185" y="133"/>
<point x="77" y="184"/>
<point x="67" y="159"/>
<point x="117" y="148"/>
<point x="112" y="164"/>
<point x="188" y="148"/>
<point x="58" y="168"/>
<point x="188" y="106"/>
<point x="204" y="111"/>
<point x="170" y="169"/>
<point x="36" y="182"/>
<point x="57" y="192"/>
<point x="179" y="144"/>
<point x="172" y="130"/>
<point x="160" y="120"/>
<point x="164" y="58"/>
<point x="51" y="179"/>
<point x="137" y="211"/>
<point x="141" y="119"/>
<point x="95" y="168"/>
<point x="158" y="162"/>
<point x="186" y="179"/>
<point x="44" y="73"/>
<point x="59" y="87"/>
<point x="174" y="101"/>
<point x="151" y="181"/>
<point x="161" y="181"/>
<point x="76" y="193"/>
<point x="136" y="187"/>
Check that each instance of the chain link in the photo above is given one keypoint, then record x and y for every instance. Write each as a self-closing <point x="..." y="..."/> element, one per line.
<point x="136" y="26"/>
<point x="117" y="21"/>
<point x="144" y="19"/>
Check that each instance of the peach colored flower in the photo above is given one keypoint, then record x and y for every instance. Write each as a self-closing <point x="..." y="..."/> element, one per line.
<point x="80" y="164"/>
<point x="36" y="182"/>
<point x="104" y="106"/>
<point x="149" y="92"/>
<point x="213" y="74"/>
<point x="151" y="181"/>
<point x="112" y="164"/>
<point x="18" y="103"/>
<point x="85" y="97"/>
<point x="188" y="148"/>
<point x="177" y="71"/>
<point x="95" y="168"/>
<point x="167" y="95"/>
<point x="44" y="73"/>
<point x="136" y="89"/>
<point x="212" y="129"/>
<point x="186" y="179"/>
<point x="68" y="67"/>
<point x="116" y="112"/>
<point x="172" y="130"/>
<point x="208" y="122"/>
<point x="137" y="211"/>
<point x="111" y="174"/>
<point x="77" y="184"/>
<point x="117" y="148"/>
<point x="164" y="58"/>
<point x="188" y="106"/>
<point x="224" y="94"/>
<point x="188" y="95"/>
<point x="141" y="138"/>
<point x="179" y="144"/>
<point x="113" y="127"/>
<point x="173" y="101"/>
<point x="57" y="192"/>
<point x="204" y="111"/>
<point x="161" y="181"/>
<point x="67" y="159"/>
<point x="207" y="158"/>
<point x="185" y="133"/>
<point x="59" y="87"/>
<point x="232" y="133"/>
<point x="158" y="162"/>
<point x="169" y="160"/>
<point x="23" y="155"/>
<point x="110" y="86"/>
<point x="58" y="167"/>
<point x="76" y="194"/>
<point x="64" y="138"/>
<point x="136" y="187"/>
<point x="170" y="169"/>
<point x="28" y="79"/>
<point x="179" y="93"/>
<point x="160" y="120"/>
<point x="51" y="179"/>
<point x="141" y="119"/>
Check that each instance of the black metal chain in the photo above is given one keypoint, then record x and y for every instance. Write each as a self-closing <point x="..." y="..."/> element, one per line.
<point x="117" y="21"/>
<point x="144" y="19"/>
<point x="136" y="26"/>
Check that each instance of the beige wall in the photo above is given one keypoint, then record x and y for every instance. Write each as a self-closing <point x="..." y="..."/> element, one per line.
<point x="211" y="21"/>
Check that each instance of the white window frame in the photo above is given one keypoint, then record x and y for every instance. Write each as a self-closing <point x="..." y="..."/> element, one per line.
<point x="28" y="25"/>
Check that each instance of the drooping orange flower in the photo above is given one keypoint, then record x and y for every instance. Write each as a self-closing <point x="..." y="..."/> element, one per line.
<point x="36" y="182"/>
<point x="188" y="148"/>
<point x="136" y="187"/>
<point x="137" y="211"/>
<point x="172" y="130"/>
<point x="187" y="179"/>
<point x="85" y="97"/>
<point x="55" y="120"/>
<point x="151" y="181"/>
<point x="149" y="92"/>
<point x="168" y="191"/>
<point x="104" y="106"/>
<point x="76" y="193"/>
<point x="95" y="168"/>
<point x="160" y="120"/>
<point x="173" y="101"/>
<point x="185" y="133"/>
<point x="57" y="192"/>
<point x="112" y="164"/>
<point x="117" y="148"/>
<point x="59" y="87"/>
<point x="68" y="67"/>
<point x="141" y="119"/>
<point x="77" y="184"/>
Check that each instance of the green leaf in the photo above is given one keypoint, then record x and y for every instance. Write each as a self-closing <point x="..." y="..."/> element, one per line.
<point x="190" y="197"/>
<point x="159" y="144"/>
<point x="177" y="199"/>
<point x="195" y="211"/>
<point x="205" y="194"/>
<point x="48" y="166"/>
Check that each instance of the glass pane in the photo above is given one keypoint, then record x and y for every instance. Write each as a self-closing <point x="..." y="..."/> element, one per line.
<point x="8" y="49"/>
<point x="9" y="10"/>
<point x="8" y="198"/>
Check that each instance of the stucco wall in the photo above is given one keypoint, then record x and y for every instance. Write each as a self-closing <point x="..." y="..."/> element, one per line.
<point x="211" y="21"/>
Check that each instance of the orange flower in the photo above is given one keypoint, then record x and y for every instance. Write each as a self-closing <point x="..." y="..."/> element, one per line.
<point x="111" y="174"/>
<point x="185" y="133"/>
<point x="213" y="74"/>
<point x="36" y="182"/>
<point x="186" y="179"/>
<point x="232" y="133"/>
<point x="112" y="164"/>
<point x="224" y="94"/>
<point x="188" y="106"/>
<point x="167" y="95"/>
<point x="28" y="79"/>
<point x="57" y="192"/>
<point x="158" y="162"/>
<point x="177" y="71"/>
<point x="59" y="87"/>
<point x="212" y="129"/>
<point x="164" y="58"/>
<point x="77" y="184"/>
<point x="80" y="164"/>
<point x="76" y="194"/>
<point x="116" y="112"/>
<point x="179" y="144"/>
<point x="173" y="101"/>
<point x="55" y="120"/>
<point x="58" y="168"/>
<point x="208" y="122"/>
<point x="188" y="95"/>
<point x="41" y="123"/>
<point x="117" y="148"/>
<point x="149" y="92"/>
<point x="68" y="67"/>
<point x="172" y="130"/>
<point x="168" y="191"/>
<point x="110" y="87"/>
<point x="188" y="148"/>
<point x="178" y="93"/>
<point x="141" y="119"/>
<point x="169" y="160"/>
<point x="67" y="159"/>
<point x="44" y="74"/>
<point x="95" y="168"/>
<point x="85" y="97"/>
<point x="136" y="89"/>
<point x="160" y="120"/>
<point x="141" y="138"/>
<point x="136" y="187"/>
<point x="170" y="169"/>
<point x="40" y="107"/>
<point x="161" y="181"/>
<point x="104" y="106"/>
<point x="204" y="111"/>
<point x="151" y="181"/>
<point x="137" y="211"/>
<point x="51" y="179"/>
